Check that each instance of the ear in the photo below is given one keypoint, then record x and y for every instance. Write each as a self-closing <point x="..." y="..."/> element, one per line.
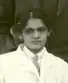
<point x="49" y="32"/>
<point x="20" y="37"/>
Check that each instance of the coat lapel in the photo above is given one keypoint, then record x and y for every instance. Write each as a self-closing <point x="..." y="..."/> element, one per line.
<point x="27" y="64"/>
<point x="47" y="75"/>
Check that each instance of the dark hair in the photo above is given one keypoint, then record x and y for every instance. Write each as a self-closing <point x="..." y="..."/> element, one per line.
<point x="33" y="13"/>
<point x="25" y="15"/>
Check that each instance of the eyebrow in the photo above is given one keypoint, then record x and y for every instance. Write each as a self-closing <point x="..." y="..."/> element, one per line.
<point x="37" y="28"/>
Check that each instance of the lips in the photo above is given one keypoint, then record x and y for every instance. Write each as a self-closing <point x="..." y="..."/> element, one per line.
<point x="36" y="41"/>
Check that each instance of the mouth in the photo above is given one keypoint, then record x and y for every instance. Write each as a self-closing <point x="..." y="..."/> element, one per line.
<point x="36" y="42"/>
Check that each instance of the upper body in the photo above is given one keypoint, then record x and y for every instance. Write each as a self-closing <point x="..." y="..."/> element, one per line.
<point x="19" y="66"/>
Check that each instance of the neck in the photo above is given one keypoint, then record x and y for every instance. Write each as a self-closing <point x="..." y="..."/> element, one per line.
<point x="35" y="51"/>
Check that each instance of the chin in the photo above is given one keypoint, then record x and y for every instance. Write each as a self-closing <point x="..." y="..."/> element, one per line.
<point x="36" y="47"/>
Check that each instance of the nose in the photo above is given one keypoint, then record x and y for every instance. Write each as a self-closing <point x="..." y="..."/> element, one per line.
<point x="36" y="34"/>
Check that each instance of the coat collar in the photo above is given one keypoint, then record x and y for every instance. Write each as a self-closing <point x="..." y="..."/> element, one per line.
<point x="47" y="57"/>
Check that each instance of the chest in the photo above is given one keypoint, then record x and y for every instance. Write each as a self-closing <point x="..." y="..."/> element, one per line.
<point x="24" y="71"/>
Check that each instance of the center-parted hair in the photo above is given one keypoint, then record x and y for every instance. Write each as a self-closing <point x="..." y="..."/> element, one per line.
<point x="33" y="13"/>
<point x="25" y="15"/>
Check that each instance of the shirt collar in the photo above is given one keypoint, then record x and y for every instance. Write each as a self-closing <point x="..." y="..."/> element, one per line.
<point x="41" y="53"/>
<point x="29" y="54"/>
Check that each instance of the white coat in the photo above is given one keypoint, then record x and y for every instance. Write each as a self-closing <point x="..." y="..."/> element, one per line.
<point x="17" y="68"/>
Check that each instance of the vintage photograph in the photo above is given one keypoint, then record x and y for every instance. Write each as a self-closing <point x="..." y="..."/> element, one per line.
<point x="33" y="41"/>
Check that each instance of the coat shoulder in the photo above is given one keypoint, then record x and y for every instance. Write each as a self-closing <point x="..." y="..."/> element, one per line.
<point x="11" y="57"/>
<point x="57" y="60"/>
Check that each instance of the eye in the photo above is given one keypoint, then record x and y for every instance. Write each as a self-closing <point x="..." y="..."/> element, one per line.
<point x="42" y="29"/>
<point x="28" y="30"/>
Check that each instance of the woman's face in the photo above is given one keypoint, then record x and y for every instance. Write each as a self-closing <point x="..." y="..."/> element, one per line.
<point x="35" y="34"/>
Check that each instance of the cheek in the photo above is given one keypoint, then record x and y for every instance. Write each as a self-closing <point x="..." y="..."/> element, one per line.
<point x="44" y="36"/>
<point x="26" y="38"/>
<point x="44" y="39"/>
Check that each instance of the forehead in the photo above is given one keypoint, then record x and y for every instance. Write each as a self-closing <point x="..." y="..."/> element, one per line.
<point x="35" y="23"/>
